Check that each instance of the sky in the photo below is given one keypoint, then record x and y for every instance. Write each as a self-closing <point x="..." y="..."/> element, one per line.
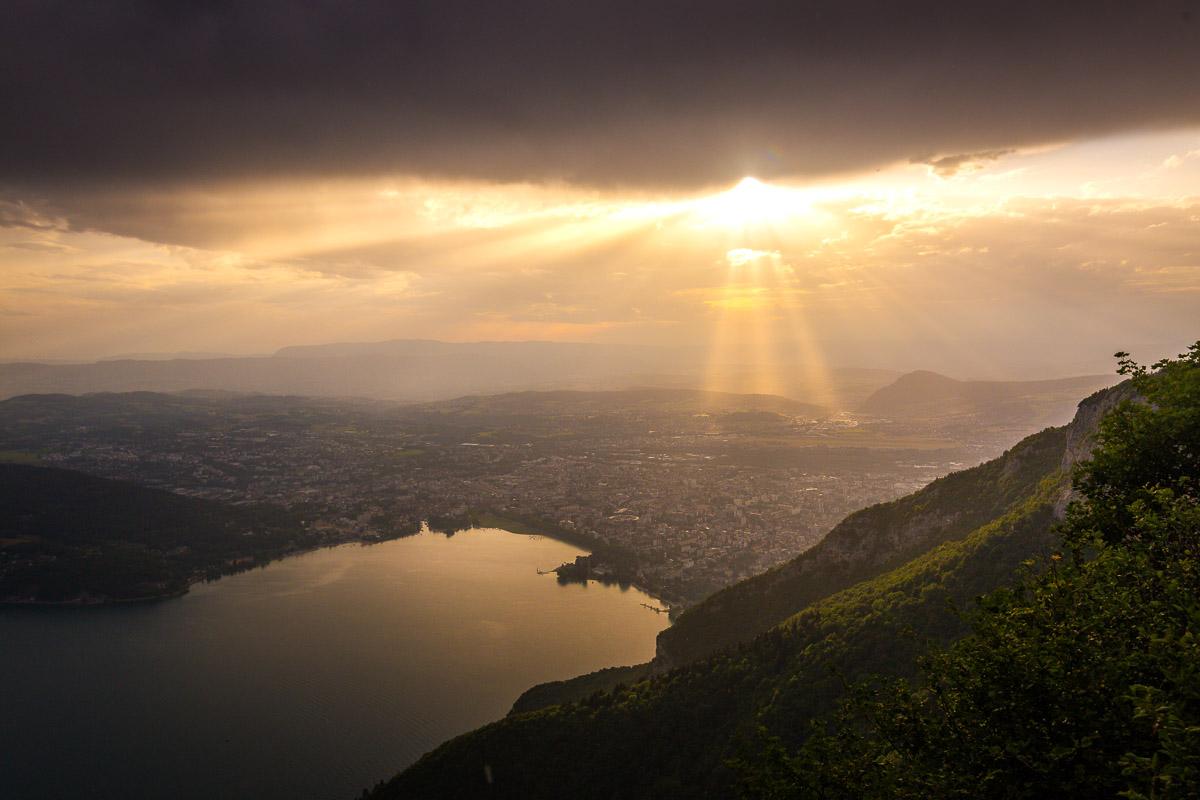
<point x="993" y="189"/>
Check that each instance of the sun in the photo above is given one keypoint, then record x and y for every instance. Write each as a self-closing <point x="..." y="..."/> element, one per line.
<point x="750" y="203"/>
<point x="749" y="184"/>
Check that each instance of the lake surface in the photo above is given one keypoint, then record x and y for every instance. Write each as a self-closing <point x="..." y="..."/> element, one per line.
<point x="311" y="678"/>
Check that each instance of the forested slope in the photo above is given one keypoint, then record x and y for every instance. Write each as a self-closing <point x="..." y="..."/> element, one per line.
<point x="70" y="537"/>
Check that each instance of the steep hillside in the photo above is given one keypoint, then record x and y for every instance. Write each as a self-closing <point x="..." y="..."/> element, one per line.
<point x="554" y="693"/>
<point x="671" y="735"/>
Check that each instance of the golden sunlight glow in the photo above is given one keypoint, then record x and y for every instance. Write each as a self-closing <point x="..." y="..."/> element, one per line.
<point x="773" y="277"/>
<point x="751" y="203"/>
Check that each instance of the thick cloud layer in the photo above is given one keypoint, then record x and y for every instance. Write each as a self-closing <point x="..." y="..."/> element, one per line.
<point x="631" y="92"/>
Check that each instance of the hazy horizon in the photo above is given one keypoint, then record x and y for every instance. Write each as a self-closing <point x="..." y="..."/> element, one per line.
<point x="963" y="371"/>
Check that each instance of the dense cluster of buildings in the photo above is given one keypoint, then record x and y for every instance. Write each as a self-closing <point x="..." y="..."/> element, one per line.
<point x="693" y="518"/>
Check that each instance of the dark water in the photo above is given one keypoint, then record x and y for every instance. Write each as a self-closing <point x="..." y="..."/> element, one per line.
<point x="312" y="678"/>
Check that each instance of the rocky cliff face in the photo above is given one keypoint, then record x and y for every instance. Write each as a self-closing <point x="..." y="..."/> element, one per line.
<point x="1081" y="432"/>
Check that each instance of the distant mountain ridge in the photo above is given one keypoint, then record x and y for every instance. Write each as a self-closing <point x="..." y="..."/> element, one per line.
<point x="413" y="370"/>
<point x="183" y="355"/>
<point x="438" y="348"/>
<point x="676" y="400"/>
<point x="923" y="394"/>
<point x="424" y="370"/>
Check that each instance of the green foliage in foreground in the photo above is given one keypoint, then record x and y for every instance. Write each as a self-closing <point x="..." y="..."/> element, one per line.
<point x="1083" y="682"/>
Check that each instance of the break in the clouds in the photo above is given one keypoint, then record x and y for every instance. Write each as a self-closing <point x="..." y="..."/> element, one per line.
<point x="949" y="166"/>
<point x="629" y="92"/>
<point x="1036" y="260"/>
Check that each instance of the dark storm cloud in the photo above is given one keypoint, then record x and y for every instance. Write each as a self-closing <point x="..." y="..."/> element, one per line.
<point x="625" y="91"/>
<point x="948" y="166"/>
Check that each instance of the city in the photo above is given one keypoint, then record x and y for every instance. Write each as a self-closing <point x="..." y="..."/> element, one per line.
<point x="678" y="502"/>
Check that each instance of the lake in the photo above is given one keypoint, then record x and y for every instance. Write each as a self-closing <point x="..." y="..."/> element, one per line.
<point x="313" y="677"/>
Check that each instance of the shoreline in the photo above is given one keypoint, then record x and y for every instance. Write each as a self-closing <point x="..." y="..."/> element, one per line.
<point x="101" y="603"/>
<point x="82" y="603"/>
<point x="531" y="526"/>
<point x="517" y="525"/>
